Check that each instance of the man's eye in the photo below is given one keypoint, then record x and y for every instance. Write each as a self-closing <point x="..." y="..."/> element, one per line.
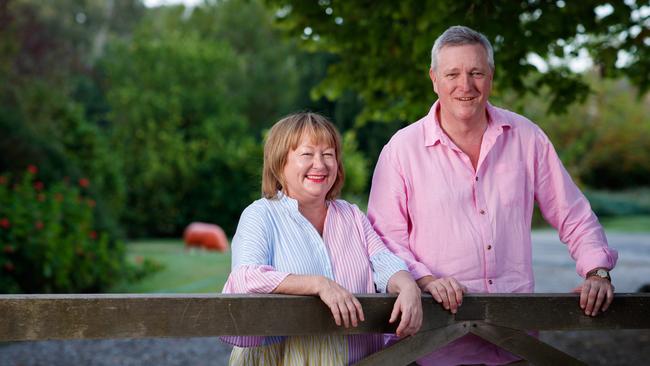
<point x="477" y="74"/>
<point x="451" y="76"/>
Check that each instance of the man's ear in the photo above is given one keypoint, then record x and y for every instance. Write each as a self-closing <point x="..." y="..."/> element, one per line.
<point x="432" y="76"/>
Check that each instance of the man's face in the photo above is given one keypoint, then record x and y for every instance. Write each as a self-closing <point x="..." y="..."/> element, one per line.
<point x="463" y="81"/>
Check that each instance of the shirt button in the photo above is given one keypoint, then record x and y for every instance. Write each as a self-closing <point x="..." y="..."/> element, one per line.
<point x="482" y="212"/>
<point x="490" y="282"/>
<point x="489" y="247"/>
<point x="477" y="179"/>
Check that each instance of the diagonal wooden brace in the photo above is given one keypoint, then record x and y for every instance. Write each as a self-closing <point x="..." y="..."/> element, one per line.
<point x="410" y="349"/>
<point x="522" y="344"/>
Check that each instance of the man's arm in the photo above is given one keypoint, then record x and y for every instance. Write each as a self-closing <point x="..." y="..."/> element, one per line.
<point x="566" y="208"/>
<point x="389" y="216"/>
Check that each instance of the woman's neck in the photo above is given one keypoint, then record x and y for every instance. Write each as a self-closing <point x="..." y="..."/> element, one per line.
<point x="315" y="213"/>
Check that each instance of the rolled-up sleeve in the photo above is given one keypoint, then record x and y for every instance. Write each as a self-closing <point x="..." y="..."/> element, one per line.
<point x="568" y="210"/>
<point x="252" y="251"/>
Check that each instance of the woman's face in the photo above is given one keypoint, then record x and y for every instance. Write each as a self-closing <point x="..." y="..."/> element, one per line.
<point x="310" y="171"/>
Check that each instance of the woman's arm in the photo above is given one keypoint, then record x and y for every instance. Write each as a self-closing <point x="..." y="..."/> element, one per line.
<point x="408" y="303"/>
<point x="345" y="308"/>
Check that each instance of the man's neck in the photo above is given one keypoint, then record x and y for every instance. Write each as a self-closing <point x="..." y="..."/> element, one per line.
<point x="466" y="134"/>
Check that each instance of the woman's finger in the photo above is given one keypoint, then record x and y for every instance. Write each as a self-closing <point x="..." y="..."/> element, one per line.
<point x="359" y="309"/>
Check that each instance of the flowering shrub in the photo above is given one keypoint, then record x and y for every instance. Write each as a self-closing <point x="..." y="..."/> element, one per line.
<point x="48" y="241"/>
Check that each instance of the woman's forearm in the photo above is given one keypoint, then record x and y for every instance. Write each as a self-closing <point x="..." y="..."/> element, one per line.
<point x="400" y="282"/>
<point x="295" y="284"/>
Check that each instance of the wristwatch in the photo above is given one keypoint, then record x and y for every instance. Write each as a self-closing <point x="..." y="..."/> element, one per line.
<point x="600" y="272"/>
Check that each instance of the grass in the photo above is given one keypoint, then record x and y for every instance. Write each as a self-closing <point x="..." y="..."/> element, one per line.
<point x="185" y="271"/>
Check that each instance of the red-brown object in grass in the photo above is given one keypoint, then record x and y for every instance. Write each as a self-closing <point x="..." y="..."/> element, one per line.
<point x="207" y="236"/>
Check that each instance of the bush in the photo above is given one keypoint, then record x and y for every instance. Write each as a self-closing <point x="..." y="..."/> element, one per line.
<point x="632" y="202"/>
<point x="49" y="241"/>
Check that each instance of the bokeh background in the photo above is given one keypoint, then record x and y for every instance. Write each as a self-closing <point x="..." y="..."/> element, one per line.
<point x="123" y="121"/>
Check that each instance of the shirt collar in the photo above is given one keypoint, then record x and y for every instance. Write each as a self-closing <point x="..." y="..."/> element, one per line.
<point x="434" y="134"/>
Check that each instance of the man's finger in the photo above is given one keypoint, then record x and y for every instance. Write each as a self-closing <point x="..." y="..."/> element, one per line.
<point x="600" y="296"/>
<point x="458" y="291"/>
<point x="584" y="293"/>
<point x="442" y="291"/>
<point x="434" y="292"/>
<point x="610" y="297"/>
<point x="591" y="299"/>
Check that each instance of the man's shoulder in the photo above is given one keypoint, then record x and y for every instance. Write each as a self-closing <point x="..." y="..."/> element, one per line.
<point x="515" y="120"/>
<point x="409" y="135"/>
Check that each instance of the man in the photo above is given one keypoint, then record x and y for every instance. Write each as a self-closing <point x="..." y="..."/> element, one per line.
<point x="453" y="195"/>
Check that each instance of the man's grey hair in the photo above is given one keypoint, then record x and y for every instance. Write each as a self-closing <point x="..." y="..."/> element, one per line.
<point x="459" y="35"/>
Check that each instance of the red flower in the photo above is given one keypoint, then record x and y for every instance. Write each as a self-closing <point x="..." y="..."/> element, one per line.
<point x="91" y="202"/>
<point x="84" y="182"/>
<point x="32" y="169"/>
<point x="38" y="225"/>
<point x="38" y="185"/>
<point x="4" y="223"/>
<point x="8" y="249"/>
<point x="3" y="180"/>
<point x="9" y="267"/>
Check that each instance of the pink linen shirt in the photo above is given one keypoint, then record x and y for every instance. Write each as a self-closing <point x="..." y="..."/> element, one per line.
<point x="444" y="219"/>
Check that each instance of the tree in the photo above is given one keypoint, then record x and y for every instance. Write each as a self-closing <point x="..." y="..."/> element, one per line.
<point x="384" y="46"/>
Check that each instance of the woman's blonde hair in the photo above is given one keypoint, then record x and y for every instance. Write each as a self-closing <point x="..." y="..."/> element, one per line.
<point x="285" y="136"/>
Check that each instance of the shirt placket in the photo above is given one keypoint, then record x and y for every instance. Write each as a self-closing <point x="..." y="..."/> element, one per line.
<point x="483" y="215"/>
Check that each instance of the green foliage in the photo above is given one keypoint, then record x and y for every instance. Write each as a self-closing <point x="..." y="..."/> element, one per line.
<point x="603" y="142"/>
<point x="384" y="53"/>
<point x="179" y="129"/>
<point x="634" y="202"/>
<point x="49" y="239"/>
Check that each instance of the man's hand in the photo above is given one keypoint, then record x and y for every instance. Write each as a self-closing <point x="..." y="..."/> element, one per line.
<point x="596" y="294"/>
<point x="446" y="291"/>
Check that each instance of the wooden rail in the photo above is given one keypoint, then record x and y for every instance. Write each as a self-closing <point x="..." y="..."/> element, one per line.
<point x="498" y="318"/>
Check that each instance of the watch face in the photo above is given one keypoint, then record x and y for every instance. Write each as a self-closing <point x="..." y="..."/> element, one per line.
<point x="602" y="273"/>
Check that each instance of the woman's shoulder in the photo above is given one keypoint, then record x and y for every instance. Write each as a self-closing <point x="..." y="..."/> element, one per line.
<point x="344" y="207"/>
<point x="259" y="207"/>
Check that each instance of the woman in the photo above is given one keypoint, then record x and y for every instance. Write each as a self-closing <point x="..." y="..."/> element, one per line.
<point x="300" y="240"/>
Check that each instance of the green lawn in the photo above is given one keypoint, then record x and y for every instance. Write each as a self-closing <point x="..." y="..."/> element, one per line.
<point x="185" y="271"/>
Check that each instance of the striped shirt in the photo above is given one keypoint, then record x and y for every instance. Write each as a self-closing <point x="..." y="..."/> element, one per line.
<point x="274" y="239"/>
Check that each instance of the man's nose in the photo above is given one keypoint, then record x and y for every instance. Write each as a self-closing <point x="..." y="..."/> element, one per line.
<point x="465" y="82"/>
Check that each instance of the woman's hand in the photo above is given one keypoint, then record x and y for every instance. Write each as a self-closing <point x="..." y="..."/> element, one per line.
<point x="344" y="306"/>
<point x="408" y="304"/>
